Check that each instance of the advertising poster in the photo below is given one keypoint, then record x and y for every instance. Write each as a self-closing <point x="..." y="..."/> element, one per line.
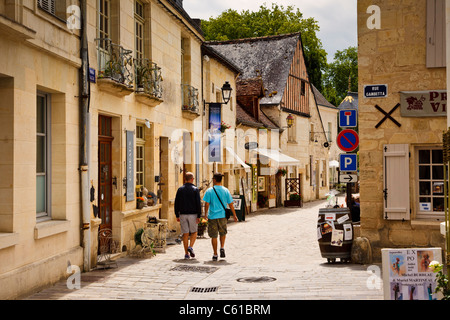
<point x="407" y="275"/>
<point x="214" y="154"/>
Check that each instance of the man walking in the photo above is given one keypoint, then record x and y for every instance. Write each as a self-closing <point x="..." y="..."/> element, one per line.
<point x="188" y="210"/>
<point x="216" y="199"/>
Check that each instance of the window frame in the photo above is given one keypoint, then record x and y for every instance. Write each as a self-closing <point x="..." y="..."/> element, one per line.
<point x="427" y="215"/>
<point x="46" y="215"/>
<point x="139" y="31"/>
<point x="140" y="143"/>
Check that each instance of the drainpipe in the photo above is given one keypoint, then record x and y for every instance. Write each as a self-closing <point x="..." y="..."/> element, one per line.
<point x="84" y="141"/>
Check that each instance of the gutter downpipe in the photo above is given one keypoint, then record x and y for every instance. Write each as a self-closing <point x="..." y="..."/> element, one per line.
<point x="84" y="141"/>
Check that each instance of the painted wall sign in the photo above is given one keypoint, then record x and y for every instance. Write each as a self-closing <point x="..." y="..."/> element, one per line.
<point x="424" y="103"/>
<point x="376" y="91"/>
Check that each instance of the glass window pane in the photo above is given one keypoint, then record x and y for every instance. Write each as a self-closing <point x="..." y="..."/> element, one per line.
<point x="438" y="156"/>
<point x="438" y="173"/>
<point x="438" y="188"/>
<point x="40" y="154"/>
<point x="425" y="200"/>
<point x="40" y="115"/>
<point x="41" y="194"/>
<point x="424" y="173"/>
<point x="425" y="188"/>
<point x="424" y="156"/>
<point x="438" y="204"/>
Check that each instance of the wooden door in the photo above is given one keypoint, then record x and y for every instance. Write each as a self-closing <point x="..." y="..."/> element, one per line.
<point x="105" y="172"/>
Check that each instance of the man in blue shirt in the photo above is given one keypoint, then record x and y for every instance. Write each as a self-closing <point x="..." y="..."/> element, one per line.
<point x="217" y="222"/>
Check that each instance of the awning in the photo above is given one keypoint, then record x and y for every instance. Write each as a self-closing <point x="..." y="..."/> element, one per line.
<point x="238" y="159"/>
<point x="277" y="156"/>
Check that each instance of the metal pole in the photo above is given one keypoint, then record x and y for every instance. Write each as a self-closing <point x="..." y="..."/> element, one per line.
<point x="84" y="141"/>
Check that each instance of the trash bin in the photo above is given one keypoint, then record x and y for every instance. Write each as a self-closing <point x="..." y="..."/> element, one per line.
<point x="335" y="234"/>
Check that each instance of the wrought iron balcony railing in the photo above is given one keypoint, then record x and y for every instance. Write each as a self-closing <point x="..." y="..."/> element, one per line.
<point x="148" y="78"/>
<point x="189" y="97"/>
<point x="115" y="62"/>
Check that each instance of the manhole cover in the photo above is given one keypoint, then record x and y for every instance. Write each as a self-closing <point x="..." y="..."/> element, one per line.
<point x="188" y="268"/>
<point x="257" y="279"/>
<point x="204" y="290"/>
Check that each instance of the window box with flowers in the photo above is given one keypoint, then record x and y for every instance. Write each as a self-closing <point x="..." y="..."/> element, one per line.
<point x="295" y="200"/>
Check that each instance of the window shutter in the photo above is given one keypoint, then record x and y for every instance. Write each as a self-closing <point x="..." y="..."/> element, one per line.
<point x="436" y="31"/>
<point x="396" y="182"/>
<point x="47" y="5"/>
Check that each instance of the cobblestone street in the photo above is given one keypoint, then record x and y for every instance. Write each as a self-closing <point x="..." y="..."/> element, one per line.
<point x="273" y="255"/>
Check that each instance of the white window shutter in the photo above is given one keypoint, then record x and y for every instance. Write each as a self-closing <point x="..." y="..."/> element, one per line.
<point x="436" y="34"/>
<point x="396" y="182"/>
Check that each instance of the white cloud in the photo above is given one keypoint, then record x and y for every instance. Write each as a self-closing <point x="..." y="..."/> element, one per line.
<point x="337" y="19"/>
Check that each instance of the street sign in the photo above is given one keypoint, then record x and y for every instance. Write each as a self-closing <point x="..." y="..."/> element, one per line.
<point x="348" y="140"/>
<point x="376" y="91"/>
<point x="348" y="162"/>
<point x="348" y="178"/>
<point x="348" y="118"/>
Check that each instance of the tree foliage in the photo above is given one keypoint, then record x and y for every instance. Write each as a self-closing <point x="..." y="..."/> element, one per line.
<point x="339" y="74"/>
<point x="231" y="25"/>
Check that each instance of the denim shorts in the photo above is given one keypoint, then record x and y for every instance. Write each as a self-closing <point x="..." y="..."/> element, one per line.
<point x="216" y="227"/>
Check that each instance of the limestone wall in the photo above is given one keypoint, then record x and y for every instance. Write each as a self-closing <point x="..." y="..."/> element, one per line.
<point x="394" y="55"/>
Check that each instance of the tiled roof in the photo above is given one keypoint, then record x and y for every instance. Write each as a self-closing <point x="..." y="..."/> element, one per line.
<point x="243" y="117"/>
<point x="269" y="57"/>
<point x="321" y="100"/>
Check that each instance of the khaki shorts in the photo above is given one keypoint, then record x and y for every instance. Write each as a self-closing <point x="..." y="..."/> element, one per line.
<point x="188" y="223"/>
<point x="216" y="227"/>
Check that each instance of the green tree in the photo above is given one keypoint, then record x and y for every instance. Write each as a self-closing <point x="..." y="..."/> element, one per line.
<point x="231" y="25"/>
<point x="339" y="74"/>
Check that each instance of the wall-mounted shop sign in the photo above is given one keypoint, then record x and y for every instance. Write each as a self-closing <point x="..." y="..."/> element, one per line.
<point x="424" y="103"/>
<point x="130" y="165"/>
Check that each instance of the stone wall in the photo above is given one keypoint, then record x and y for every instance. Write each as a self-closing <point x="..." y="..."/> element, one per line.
<point x="394" y="55"/>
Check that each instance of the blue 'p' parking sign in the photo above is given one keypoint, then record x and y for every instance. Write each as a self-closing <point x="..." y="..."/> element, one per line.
<point x="348" y="162"/>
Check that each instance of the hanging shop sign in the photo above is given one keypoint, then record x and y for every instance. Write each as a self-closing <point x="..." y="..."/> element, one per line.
<point x="424" y="103"/>
<point x="407" y="275"/>
<point x="214" y="152"/>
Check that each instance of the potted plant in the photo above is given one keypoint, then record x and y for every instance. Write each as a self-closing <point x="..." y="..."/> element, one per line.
<point x="441" y="280"/>
<point x="140" y="202"/>
<point x="281" y="172"/>
<point x="224" y="126"/>
<point x="202" y="226"/>
<point x="262" y="200"/>
<point x="295" y="200"/>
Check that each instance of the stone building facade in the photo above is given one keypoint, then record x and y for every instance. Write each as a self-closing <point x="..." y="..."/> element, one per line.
<point x="144" y="128"/>
<point x="402" y="199"/>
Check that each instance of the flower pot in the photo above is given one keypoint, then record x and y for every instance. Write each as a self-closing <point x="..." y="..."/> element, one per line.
<point x="293" y="203"/>
<point x="201" y="231"/>
<point x="140" y="205"/>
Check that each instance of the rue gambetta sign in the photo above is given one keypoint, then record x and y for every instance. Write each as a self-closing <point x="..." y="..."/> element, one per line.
<point x="424" y="103"/>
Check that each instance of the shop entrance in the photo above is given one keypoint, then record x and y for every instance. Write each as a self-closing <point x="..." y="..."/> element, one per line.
<point x="105" y="171"/>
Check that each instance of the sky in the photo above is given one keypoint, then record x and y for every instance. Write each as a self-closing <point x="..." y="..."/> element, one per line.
<point x="336" y="19"/>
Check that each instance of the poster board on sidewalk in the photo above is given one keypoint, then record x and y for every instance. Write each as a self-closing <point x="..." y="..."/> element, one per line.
<point x="406" y="275"/>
